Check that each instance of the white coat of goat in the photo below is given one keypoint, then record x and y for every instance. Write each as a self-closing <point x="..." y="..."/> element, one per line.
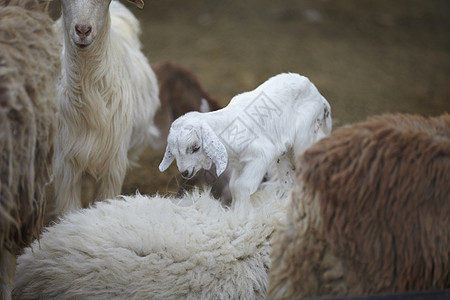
<point x="107" y="101"/>
<point x="280" y="118"/>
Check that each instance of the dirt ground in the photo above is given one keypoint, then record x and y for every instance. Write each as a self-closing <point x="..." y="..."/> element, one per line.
<point x="365" y="56"/>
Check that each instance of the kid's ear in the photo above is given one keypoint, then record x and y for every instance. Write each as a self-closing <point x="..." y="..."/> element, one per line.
<point x="214" y="149"/>
<point x="167" y="160"/>
<point x="138" y="3"/>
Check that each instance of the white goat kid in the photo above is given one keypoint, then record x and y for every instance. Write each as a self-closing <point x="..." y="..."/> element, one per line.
<point x="108" y="98"/>
<point x="279" y="119"/>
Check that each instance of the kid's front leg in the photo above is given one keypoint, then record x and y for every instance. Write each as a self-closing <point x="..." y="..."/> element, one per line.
<point x="246" y="183"/>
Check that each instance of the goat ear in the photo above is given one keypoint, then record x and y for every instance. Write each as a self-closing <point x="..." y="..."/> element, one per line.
<point x="214" y="148"/>
<point x="138" y="3"/>
<point x="167" y="160"/>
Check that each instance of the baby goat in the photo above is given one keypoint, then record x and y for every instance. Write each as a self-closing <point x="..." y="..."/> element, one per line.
<point x="279" y="119"/>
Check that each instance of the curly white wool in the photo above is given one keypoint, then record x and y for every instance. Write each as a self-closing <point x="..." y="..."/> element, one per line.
<point x="145" y="247"/>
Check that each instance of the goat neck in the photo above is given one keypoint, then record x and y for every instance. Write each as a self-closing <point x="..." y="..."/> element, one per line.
<point x="91" y="59"/>
<point x="85" y="72"/>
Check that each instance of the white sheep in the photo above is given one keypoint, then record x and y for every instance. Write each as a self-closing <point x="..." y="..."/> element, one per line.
<point x="370" y="212"/>
<point x="278" y="120"/>
<point x="29" y="67"/>
<point x="142" y="247"/>
<point x="108" y="96"/>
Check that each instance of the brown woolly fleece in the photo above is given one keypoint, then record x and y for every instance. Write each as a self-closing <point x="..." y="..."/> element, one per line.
<point x="370" y="212"/>
<point x="29" y="66"/>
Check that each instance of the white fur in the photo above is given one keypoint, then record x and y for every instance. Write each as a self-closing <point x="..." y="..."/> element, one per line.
<point x="108" y="96"/>
<point x="145" y="247"/>
<point x="258" y="129"/>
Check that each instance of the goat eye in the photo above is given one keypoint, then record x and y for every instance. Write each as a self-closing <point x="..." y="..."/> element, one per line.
<point x="195" y="149"/>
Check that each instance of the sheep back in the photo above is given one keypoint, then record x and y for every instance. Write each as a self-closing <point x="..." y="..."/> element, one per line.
<point x="370" y="212"/>
<point x="29" y="64"/>
<point x="145" y="247"/>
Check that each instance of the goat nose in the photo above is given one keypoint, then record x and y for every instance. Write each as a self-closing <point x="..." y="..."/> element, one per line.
<point x="83" y="30"/>
<point x="185" y="173"/>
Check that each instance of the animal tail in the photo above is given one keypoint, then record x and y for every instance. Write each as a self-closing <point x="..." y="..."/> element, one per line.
<point x="326" y="124"/>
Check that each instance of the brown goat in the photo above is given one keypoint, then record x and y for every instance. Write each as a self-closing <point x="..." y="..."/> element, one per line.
<point x="29" y="62"/>
<point x="180" y="92"/>
<point x="370" y="212"/>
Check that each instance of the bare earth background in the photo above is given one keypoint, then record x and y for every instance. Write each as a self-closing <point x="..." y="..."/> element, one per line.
<point x="365" y="56"/>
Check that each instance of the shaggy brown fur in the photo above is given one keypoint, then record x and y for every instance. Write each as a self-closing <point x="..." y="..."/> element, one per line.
<point x="370" y="212"/>
<point x="29" y="64"/>
<point x="180" y="92"/>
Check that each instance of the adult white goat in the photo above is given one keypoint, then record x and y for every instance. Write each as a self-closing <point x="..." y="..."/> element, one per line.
<point x="279" y="119"/>
<point x="108" y="98"/>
